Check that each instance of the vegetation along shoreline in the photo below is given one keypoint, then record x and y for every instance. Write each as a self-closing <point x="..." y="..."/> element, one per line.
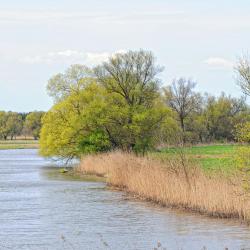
<point x="124" y="124"/>
<point x="170" y="183"/>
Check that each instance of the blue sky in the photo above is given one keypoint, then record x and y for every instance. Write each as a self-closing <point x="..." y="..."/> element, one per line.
<point x="197" y="39"/>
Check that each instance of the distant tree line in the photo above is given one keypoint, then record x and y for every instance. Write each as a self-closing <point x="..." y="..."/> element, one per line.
<point x="122" y="104"/>
<point x="13" y="124"/>
<point x="205" y="118"/>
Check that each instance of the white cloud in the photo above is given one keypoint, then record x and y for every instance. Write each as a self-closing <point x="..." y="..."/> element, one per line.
<point x="219" y="62"/>
<point x="69" y="57"/>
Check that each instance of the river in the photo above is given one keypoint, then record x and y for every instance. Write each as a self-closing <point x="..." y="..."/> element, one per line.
<point x="43" y="210"/>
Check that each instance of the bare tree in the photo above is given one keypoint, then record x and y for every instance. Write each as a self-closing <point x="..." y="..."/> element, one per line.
<point x="180" y="96"/>
<point x="132" y="75"/>
<point x="243" y="74"/>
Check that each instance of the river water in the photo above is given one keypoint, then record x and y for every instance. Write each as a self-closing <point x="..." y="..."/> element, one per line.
<point x="43" y="210"/>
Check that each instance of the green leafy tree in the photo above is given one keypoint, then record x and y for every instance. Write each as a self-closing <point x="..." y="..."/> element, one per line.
<point x="3" y="125"/>
<point x="242" y="156"/>
<point x="222" y="115"/>
<point x="33" y="124"/>
<point x="13" y="125"/>
<point x="71" y="81"/>
<point x="131" y="81"/>
<point x="120" y="108"/>
<point x="74" y="126"/>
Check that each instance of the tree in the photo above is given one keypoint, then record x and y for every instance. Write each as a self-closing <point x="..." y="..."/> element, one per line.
<point x="243" y="74"/>
<point x="242" y="155"/>
<point x="74" y="79"/>
<point x="132" y="83"/>
<point x="120" y="108"/>
<point x="221" y="116"/>
<point x="33" y="123"/>
<point x="132" y="76"/>
<point x="182" y="99"/>
<point x="74" y="126"/>
<point x="3" y="126"/>
<point x="196" y="130"/>
<point x="13" y="124"/>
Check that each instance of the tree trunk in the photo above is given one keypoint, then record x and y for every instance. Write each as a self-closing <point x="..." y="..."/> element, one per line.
<point x="183" y="129"/>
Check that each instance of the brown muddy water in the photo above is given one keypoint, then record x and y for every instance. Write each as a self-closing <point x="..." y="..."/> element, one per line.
<point x="41" y="209"/>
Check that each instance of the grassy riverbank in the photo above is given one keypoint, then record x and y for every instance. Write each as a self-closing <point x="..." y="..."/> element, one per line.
<point x="18" y="144"/>
<point x="211" y="158"/>
<point x="179" y="182"/>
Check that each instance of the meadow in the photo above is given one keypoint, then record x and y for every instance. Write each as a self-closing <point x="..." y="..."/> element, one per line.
<point x="211" y="158"/>
<point x="19" y="144"/>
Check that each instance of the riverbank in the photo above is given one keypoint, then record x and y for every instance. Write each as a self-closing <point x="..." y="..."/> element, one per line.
<point x="18" y="144"/>
<point x="91" y="216"/>
<point x="176" y="182"/>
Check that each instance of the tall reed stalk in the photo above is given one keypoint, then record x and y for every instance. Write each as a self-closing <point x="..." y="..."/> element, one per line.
<point x="174" y="183"/>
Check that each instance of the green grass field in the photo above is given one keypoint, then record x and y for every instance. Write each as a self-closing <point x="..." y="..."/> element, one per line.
<point x="209" y="157"/>
<point x="18" y="144"/>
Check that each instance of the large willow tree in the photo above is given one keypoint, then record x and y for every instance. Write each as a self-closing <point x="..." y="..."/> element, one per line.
<point x="117" y="105"/>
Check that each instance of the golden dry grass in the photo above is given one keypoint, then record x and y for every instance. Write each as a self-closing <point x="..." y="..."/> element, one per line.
<point x="175" y="183"/>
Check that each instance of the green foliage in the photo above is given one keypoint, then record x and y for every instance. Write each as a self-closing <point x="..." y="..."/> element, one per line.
<point x="207" y="118"/>
<point x="120" y="108"/>
<point x="64" y="84"/>
<point x="243" y="154"/>
<point x="243" y="132"/>
<point x="33" y="124"/>
<point x="243" y="164"/>
<point x="14" y="124"/>
<point x="94" y="120"/>
<point x="3" y="125"/>
<point x="222" y="115"/>
<point x="74" y="123"/>
<point x="97" y="141"/>
<point x="120" y="105"/>
<point x="216" y="119"/>
<point x="11" y="124"/>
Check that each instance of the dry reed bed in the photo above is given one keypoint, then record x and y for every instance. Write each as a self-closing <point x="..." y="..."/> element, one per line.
<point x="175" y="183"/>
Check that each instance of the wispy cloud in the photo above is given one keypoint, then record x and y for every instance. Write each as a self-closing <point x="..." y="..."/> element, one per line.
<point x="219" y="63"/>
<point x="69" y="57"/>
<point x="168" y="16"/>
<point x="7" y="16"/>
<point x="36" y="16"/>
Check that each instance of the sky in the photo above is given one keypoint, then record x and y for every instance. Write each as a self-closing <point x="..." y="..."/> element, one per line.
<point x="195" y="39"/>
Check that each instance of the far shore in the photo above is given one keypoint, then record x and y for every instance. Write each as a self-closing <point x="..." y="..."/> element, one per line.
<point x="19" y="144"/>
